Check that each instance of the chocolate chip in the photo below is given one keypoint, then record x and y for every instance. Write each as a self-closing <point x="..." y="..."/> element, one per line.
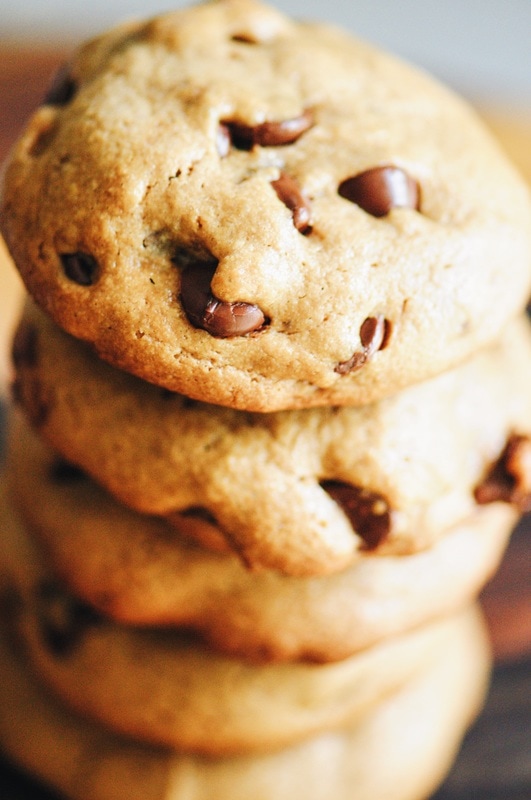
<point x="24" y="347"/>
<point x="205" y="311"/>
<point x="62" y="88"/>
<point x="63" y="471"/>
<point x="200" y="513"/>
<point x="245" y="38"/>
<point x="63" y="619"/>
<point x="289" y="192"/>
<point x="368" y="512"/>
<point x="81" y="268"/>
<point x="242" y="137"/>
<point x="375" y="333"/>
<point x="372" y="333"/>
<point x="509" y="479"/>
<point x="380" y="189"/>
<point x="274" y="133"/>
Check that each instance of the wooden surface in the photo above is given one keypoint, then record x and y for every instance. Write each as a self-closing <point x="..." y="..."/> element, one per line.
<point x="495" y="763"/>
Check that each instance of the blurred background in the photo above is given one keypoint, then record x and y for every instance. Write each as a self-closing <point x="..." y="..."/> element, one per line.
<point x="478" y="46"/>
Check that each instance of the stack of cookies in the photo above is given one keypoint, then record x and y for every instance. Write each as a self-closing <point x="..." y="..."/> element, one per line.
<point x="272" y="416"/>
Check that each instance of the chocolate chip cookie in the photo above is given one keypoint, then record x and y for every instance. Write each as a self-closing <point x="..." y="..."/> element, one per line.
<point x="305" y="492"/>
<point x="139" y="570"/>
<point x="263" y="213"/>
<point x="164" y="687"/>
<point x="81" y="759"/>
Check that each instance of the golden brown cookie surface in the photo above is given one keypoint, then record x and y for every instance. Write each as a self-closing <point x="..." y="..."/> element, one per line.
<point x="163" y="687"/>
<point x="82" y="759"/>
<point x="304" y="492"/>
<point x="264" y="214"/>
<point x="138" y="570"/>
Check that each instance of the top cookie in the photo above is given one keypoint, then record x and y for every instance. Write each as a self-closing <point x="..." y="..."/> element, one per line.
<point x="264" y="214"/>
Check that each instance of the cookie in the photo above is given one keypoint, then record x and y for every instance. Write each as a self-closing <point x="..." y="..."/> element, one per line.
<point x="140" y="571"/>
<point x="400" y="751"/>
<point x="305" y="492"/>
<point x="163" y="687"/>
<point x="192" y="200"/>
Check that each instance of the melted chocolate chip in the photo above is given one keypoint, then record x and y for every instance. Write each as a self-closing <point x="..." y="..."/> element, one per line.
<point x="81" y="268"/>
<point x="24" y="347"/>
<point x="200" y="513"/>
<point x="375" y="333"/>
<point x="63" y="471"/>
<point x="205" y="311"/>
<point x="63" y="619"/>
<point x="245" y="38"/>
<point x="274" y="133"/>
<point x="509" y="478"/>
<point x="289" y="192"/>
<point x="368" y="512"/>
<point x="372" y="333"/>
<point x="380" y="189"/>
<point x="62" y="88"/>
